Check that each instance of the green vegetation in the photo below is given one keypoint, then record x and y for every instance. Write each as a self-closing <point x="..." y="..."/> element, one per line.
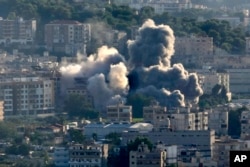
<point x="78" y="106"/>
<point x="123" y="17"/>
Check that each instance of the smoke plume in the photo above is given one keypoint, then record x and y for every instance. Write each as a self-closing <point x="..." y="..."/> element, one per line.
<point x="152" y="73"/>
<point x="148" y="71"/>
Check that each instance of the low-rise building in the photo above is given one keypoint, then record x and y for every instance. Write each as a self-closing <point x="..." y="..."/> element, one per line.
<point x="119" y="112"/>
<point x="1" y="110"/>
<point x="223" y="146"/>
<point x="143" y="157"/>
<point x="88" y="155"/>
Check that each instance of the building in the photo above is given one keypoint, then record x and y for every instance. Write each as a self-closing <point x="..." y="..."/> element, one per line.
<point x="210" y="78"/>
<point x="239" y="80"/>
<point x="67" y="36"/>
<point x="202" y="140"/>
<point x="223" y="146"/>
<point x="143" y="157"/>
<point x="1" y="110"/>
<point x="17" y="31"/>
<point x="61" y="157"/>
<point x="119" y="112"/>
<point x="247" y="45"/>
<point x="175" y="119"/>
<point x="101" y="130"/>
<point x="218" y="120"/>
<point x="194" y="50"/>
<point x="27" y="96"/>
<point x="245" y="123"/>
<point x="88" y="155"/>
<point x="191" y="157"/>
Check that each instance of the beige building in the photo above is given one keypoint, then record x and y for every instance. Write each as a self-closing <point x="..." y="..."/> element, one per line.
<point x="67" y="36"/>
<point x="143" y="157"/>
<point x="119" y="113"/>
<point x="239" y="80"/>
<point x="27" y="96"/>
<point x="218" y="120"/>
<point x="88" y="155"/>
<point x="211" y="78"/>
<point x="175" y="119"/>
<point x="223" y="146"/>
<point x="194" y="50"/>
<point x="17" y="31"/>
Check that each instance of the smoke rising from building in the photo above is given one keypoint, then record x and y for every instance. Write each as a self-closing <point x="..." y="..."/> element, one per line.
<point x="148" y="71"/>
<point x="150" y="59"/>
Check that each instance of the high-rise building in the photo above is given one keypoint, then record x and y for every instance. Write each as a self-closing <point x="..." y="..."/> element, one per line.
<point x="67" y="36"/>
<point x="17" y="31"/>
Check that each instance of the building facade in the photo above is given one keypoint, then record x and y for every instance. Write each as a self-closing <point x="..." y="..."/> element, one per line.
<point x="27" y="96"/>
<point x="17" y="31"/>
<point x="68" y="37"/>
<point x="143" y="157"/>
<point x="1" y="110"/>
<point x="61" y="157"/>
<point x="119" y="112"/>
<point x="88" y="155"/>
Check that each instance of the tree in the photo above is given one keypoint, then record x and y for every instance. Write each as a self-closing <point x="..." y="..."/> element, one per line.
<point x="234" y="125"/>
<point x="78" y="106"/>
<point x="76" y="135"/>
<point x="133" y="145"/>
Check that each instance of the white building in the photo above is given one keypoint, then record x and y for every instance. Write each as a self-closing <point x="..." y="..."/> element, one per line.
<point x="27" y="96"/>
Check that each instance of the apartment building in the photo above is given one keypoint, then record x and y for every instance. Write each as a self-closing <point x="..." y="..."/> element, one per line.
<point x="201" y="139"/>
<point x="194" y="50"/>
<point x="245" y="123"/>
<point x="66" y="36"/>
<point x="61" y="157"/>
<point x="223" y="146"/>
<point x="239" y="80"/>
<point x="27" y="96"/>
<point x="143" y="157"/>
<point x="209" y="78"/>
<point x="175" y="119"/>
<point x="218" y="120"/>
<point x="17" y="31"/>
<point x="119" y="112"/>
<point x="88" y="155"/>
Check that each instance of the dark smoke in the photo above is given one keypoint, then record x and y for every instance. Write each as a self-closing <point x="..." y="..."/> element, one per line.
<point x="152" y="74"/>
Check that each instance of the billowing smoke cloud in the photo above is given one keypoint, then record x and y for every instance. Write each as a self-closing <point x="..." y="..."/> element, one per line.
<point x="105" y="73"/>
<point x="152" y="73"/>
<point x="118" y="77"/>
<point x="148" y="71"/>
<point x="154" y="45"/>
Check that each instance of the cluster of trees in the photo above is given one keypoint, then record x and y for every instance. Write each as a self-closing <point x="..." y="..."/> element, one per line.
<point x="123" y="17"/>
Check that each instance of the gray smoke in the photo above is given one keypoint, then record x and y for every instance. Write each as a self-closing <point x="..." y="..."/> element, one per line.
<point x="150" y="71"/>
<point x="154" y="45"/>
<point x="150" y="56"/>
<point x="106" y="74"/>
